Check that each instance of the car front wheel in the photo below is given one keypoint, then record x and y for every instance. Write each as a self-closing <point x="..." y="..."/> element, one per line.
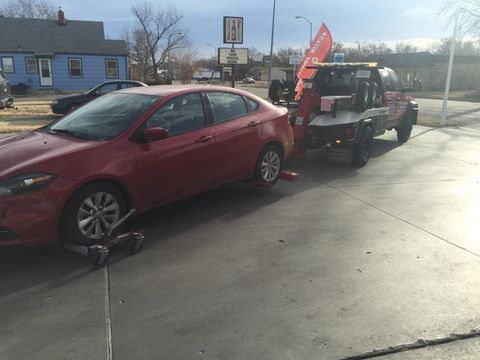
<point x="405" y="129"/>
<point x="91" y="212"/>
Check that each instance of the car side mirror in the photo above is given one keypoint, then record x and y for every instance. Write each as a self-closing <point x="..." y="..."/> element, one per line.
<point x="155" y="134"/>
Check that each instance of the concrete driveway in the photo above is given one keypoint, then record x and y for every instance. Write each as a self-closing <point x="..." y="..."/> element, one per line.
<point x="333" y="266"/>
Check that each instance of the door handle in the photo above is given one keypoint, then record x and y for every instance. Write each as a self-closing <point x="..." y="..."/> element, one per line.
<point x="253" y="123"/>
<point x="204" y="138"/>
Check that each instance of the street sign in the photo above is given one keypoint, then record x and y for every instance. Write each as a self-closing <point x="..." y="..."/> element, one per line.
<point x="266" y="59"/>
<point x="232" y="56"/>
<point x="258" y="57"/>
<point x="295" y="59"/>
<point x="338" y="57"/>
<point x="227" y="69"/>
<point x="232" y="30"/>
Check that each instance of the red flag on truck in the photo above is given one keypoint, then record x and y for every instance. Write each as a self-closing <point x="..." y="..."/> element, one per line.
<point x="318" y="51"/>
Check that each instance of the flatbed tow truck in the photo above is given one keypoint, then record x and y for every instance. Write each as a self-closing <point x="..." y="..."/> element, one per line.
<point x="345" y="105"/>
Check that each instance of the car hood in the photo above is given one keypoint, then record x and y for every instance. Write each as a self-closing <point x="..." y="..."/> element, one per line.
<point x="71" y="97"/>
<point x="33" y="152"/>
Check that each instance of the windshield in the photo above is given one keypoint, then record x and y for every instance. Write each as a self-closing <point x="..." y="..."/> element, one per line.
<point x="106" y="117"/>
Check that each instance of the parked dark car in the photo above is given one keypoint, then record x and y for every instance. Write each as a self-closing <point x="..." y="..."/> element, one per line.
<point x="135" y="148"/>
<point x="68" y="103"/>
<point x="6" y="99"/>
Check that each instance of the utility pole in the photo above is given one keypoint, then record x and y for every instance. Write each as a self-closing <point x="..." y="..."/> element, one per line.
<point x="271" y="46"/>
<point x="449" y="74"/>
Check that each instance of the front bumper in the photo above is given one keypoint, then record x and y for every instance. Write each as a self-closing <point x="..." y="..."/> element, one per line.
<point x="6" y="102"/>
<point x="33" y="218"/>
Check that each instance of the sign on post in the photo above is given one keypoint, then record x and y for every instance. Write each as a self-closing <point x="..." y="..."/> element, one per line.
<point x="338" y="57"/>
<point x="295" y="59"/>
<point x="232" y="56"/>
<point x="232" y="30"/>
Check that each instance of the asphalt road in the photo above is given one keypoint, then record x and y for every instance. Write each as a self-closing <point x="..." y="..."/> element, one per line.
<point x="337" y="264"/>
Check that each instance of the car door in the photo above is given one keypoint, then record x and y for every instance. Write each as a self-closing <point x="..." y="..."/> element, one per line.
<point x="237" y="136"/>
<point x="180" y="164"/>
<point x="391" y="96"/>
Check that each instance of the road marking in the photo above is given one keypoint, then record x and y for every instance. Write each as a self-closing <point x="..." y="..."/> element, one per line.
<point x="108" y="322"/>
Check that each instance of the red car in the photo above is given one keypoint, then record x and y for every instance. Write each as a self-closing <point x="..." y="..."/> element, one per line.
<point x="134" y="148"/>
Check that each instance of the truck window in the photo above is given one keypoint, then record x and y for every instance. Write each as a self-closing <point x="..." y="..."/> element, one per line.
<point x="387" y="80"/>
<point x="397" y="85"/>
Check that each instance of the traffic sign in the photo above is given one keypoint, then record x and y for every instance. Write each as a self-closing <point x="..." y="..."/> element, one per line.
<point x="295" y="59"/>
<point x="338" y="57"/>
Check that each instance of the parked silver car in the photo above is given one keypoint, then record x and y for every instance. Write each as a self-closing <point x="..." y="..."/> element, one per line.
<point x="6" y="99"/>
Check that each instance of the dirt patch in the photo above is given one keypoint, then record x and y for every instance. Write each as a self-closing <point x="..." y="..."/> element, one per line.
<point x="14" y="124"/>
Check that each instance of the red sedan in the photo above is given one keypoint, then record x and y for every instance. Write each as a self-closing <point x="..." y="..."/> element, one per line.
<point x="135" y="148"/>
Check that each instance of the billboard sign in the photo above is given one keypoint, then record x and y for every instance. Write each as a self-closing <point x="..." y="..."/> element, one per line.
<point x="232" y="56"/>
<point x="232" y="30"/>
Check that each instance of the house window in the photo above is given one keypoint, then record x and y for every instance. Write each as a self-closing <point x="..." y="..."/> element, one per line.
<point x="111" y="68"/>
<point x="7" y="65"/>
<point x="75" y="67"/>
<point x="31" y="65"/>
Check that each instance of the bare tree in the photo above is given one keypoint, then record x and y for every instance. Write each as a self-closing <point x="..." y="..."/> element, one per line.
<point x="405" y="48"/>
<point x="467" y="47"/>
<point x="184" y="60"/>
<point x="36" y="9"/>
<point x="158" y="34"/>
<point x="468" y="14"/>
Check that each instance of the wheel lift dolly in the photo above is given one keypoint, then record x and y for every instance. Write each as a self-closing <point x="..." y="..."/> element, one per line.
<point x="99" y="252"/>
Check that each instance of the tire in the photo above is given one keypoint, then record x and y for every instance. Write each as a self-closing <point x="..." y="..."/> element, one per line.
<point x="405" y="129"/>
<point x="269" y="164"/>
<point x="372" y="94"/>
<point x="362" y="96"/>
<point x="362" y="150"/>
<point x="85" y="204"/>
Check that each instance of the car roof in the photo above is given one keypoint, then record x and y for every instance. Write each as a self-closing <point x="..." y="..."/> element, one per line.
<point x="167" y="90"/>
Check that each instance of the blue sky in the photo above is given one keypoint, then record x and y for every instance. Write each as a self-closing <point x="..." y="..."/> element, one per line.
<point x="348" y="20"/>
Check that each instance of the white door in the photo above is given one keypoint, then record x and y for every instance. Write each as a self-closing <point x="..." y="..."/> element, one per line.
<point x="45" y="67"/>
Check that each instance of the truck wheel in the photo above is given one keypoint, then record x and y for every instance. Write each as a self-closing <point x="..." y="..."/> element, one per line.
<point x="362" y="96"/>
<point x="405" y="129"/>
<point x="362" y="150"/>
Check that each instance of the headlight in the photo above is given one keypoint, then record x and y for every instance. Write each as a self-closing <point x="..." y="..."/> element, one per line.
<point x="55" y="102"/>
<point x="24" y="183"/>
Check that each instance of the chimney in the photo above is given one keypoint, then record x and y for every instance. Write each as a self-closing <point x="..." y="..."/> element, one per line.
<point x="61" y="17"/>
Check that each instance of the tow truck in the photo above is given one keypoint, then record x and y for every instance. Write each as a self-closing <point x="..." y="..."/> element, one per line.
<point x="345" y="105"/>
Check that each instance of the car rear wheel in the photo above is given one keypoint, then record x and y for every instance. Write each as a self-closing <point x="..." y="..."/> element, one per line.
<point x="269" y="164"/>
<point x="91" y="212"/>
<point x="362" y="150"/>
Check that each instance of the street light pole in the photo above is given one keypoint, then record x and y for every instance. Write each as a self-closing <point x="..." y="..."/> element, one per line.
<point x="449" y="74"/>
<point x="271" y="46"/>
<point x="309" y="22"/>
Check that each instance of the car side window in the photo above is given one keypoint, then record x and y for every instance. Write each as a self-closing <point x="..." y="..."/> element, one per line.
<point x="397" y="84"/>
<point x="226" y="106"/>
<point x="179" y="115"/>
<point x="129" y="85"/>
<point x="105" y="89"/>
<point x="387" y="80"/>
<point x="252" y="105"/>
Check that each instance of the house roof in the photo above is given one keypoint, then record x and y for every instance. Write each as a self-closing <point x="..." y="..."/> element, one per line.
<point x="47" y="37"/>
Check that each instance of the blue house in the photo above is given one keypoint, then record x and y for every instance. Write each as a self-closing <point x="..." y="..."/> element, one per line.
<point x="59" y="54"/>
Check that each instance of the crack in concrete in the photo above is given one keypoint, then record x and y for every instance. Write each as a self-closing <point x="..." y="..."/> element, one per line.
<point x="405" y="221"/>
<point x="419" y="344"/>
<point x="108" y="315"/>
